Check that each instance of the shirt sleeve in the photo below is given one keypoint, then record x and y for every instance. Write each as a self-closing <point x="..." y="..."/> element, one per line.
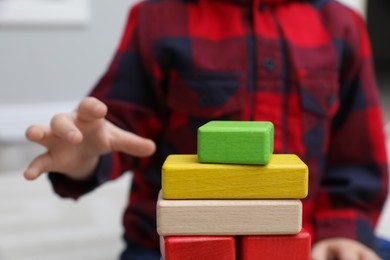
<point x="129" y="88"/>
<point x="355" y="184"/>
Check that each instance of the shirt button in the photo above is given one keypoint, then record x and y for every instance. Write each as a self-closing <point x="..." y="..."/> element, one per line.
<point x="262" y="6"/>
<point x="204" y="101"/>
<point x="331" y="99"/>
<point x="269" y="64"/>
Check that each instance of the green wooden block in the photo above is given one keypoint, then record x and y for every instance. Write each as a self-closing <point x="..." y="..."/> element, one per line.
<point x="237" y="142"/>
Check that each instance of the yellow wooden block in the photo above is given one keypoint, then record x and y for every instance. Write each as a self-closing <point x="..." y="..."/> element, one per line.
<point x="228" y="217"/>
<point x="285" y="176"/>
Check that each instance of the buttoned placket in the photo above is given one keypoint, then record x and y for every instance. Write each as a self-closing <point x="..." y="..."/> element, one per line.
<point x="270" y="66"/>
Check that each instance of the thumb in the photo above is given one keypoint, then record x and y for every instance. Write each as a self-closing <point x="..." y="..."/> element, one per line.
<point x="131" y="144"/>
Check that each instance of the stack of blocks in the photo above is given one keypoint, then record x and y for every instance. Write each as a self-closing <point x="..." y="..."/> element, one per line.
<point x="235" y="199"/>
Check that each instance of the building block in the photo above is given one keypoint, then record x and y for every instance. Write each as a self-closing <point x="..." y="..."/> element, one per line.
<point x="199" y="247"/>
<point x="286" y="247"/>
<point x="285" y="176"/>
<point x="228" y="217"/>
<point x="237" y="142"/>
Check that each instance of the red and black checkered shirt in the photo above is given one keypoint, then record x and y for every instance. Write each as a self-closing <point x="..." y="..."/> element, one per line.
<point x="304" y="65"/>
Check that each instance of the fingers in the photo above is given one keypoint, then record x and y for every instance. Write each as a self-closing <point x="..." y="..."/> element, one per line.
<point x="342" y="249"/>
<point x="39" y="165"/>
<point x="369" y="255"/>
<point x="319" y="252"/>
<point x="347" y="254"/>
<point x="37" y="134"/>
<point x="131" y="144"/>
<point x="90" y="109"/>
<point x="359" y="253"/>
<point x="63" y="126"/>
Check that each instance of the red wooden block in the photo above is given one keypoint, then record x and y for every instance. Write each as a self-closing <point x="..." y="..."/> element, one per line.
<point x="200" y="248"/>
<point x="283" y="247"/>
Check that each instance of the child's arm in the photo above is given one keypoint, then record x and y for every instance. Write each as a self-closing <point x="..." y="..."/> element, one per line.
<point x="130" y="90"/>
<point x="355" y="182"/>
<point x="75" y="142"/>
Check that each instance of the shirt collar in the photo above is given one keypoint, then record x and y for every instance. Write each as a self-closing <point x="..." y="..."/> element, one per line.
<point x="265" y="2"/>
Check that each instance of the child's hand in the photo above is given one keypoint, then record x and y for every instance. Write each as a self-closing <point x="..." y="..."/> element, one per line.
<point x="76" y="141"/>
<point x="342" y="249"/>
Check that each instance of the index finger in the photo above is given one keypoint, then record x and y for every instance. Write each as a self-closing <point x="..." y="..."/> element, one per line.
<point x="131" y="143"/>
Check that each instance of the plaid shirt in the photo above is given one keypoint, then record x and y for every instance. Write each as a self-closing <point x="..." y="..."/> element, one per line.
<point x="304" y="65"/>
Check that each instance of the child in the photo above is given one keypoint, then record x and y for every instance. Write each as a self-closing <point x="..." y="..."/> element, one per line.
<point x="304" y="65"/>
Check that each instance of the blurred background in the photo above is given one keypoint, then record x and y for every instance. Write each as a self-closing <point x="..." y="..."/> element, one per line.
<point x="51" y="53"/>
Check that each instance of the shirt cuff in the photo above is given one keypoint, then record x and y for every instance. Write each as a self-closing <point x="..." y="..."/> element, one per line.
<point x="347" y="224"/>
<point x="69" y="188"/>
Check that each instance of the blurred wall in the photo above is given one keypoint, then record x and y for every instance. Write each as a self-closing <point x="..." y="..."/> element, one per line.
<point x="56" y="64"/>
<point x="359" y="5"/>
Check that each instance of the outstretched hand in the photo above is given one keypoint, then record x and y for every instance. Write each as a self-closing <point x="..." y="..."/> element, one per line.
<point x="75" y="141"/>
<point x="342" y="249"/>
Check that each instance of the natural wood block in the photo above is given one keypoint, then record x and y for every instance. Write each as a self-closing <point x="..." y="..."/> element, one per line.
<point x="228" y="217"/>
<point x="285" y="176"/>
<point x="286" y="247"/>
<point x="238" y="142"/>
<point x="200" y="247"/>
